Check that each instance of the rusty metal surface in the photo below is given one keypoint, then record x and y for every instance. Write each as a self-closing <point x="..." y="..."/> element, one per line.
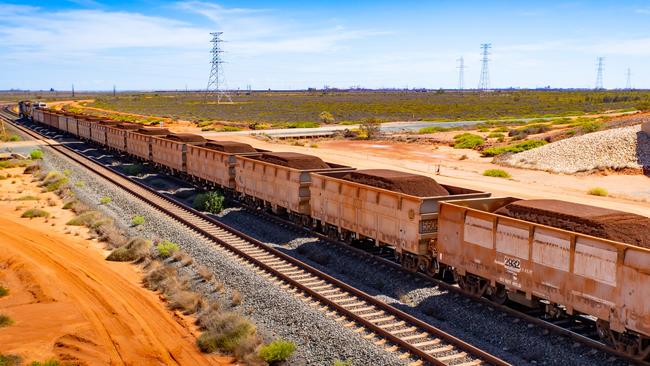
<point x="212" y="165"/>
<point x="138" y="145"/>
<point x="116" y="138"/>
<point x="168" y="153"/>
<point x="405" y="222"/>
<point x="279" y="185"/>
<point x="589" y="275"/>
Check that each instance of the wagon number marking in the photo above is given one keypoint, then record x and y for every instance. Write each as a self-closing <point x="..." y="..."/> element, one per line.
<point x="512" y="263"/>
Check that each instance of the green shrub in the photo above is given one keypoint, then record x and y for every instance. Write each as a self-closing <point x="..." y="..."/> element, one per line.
<point x="326" y="117"/>
<point x="14" y="163"/>
<point x="598" y="191"/>
<point x="45" y="363"/>
<point x="496" y="173"/>
<point x="27" y="198"/>
<point x="494" y="135"/>
<point x="133" y="169"/>
<point x="342" y="363"/>
<point x="501" y="129"/>
<point x="5" y="321"/>
<point x="278" y="350"/>
<point x="105" y="200"/>
<point x="69" y="205"/>
<point x="80" y="184"/>
<point x="54" y="180"/>
<point x="36" y="154"/>
<point x="305" y="124"/>
<point x="35" y="212"/>
<point x="211" y="202"/>
<point x="432" y="129"/>
<point x="514" y="148"/>
<point x="468" y="141"/>
<point x="137" y="220"/>
<point x="88" y="219"/>
<point x="166" y="248"/>
<point x="230" y="129"/>
<point x="533" y="129"/>
<point x="224" y="333"/>
<point x="591" y="126"/>
<point x="10" y="360"/>
<point x="4" y="291"/>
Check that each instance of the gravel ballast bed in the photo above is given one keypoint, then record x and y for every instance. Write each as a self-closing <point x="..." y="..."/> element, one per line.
<point x="320" y="340"/>
<point x="616" y="149"/>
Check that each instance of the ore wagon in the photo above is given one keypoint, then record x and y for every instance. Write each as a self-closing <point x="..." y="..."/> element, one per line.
<point x="98" y="130"/>
<point x="38" y="115"/>
<point x="214" y="162"/>
<point x="170" y="151"/>
<point x="505" y="257"/>
<point x="280" y="181"/>
<point x="62" y="121"/>
<point x="138" y="142"/>
<point x="72" y="124"/>
<point x="116" y="135"/>
<point x="389" y="208"/>
<point x="83" y="126"/>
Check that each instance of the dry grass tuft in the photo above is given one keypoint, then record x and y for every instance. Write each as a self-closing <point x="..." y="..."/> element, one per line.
<point x="205" y="273"/>
<point x="236" y="298"/>
<point x="135" y="250"/>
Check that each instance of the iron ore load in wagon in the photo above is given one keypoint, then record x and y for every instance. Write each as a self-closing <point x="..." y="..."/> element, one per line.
<point x="397" y="181"/>
<point x="230" y="147"/>
<point x="294" y="160"/>
<point x="600" y="222"/>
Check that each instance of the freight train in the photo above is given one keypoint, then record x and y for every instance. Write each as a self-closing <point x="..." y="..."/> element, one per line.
<point x="462" y="234"/>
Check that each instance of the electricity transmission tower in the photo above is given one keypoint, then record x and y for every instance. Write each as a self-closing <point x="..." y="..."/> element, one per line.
<point x="628" y="82"/>
<point x="216" y="81"/>
<point x="484" y="82"/>
<point x="599" y="74"/>
<point x="461" y="73"/>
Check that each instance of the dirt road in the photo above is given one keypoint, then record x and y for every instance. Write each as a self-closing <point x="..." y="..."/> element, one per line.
<point x="68" y="303"/>
<point x="629" y="193"/>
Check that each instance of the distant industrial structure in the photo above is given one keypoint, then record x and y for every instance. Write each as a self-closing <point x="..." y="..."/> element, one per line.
<point x="484" y="82"/>
<point x="628" y="79"/>
<point x="461" y="73"/>
<point x="599" y="74"/>
<point x="216" y="81"/>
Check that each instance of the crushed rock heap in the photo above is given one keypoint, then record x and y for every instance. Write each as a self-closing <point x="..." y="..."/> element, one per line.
<point x="618" y="148"/>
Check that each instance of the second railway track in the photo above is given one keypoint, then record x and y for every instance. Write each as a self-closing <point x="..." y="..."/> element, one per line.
<point x="383" y="324"/>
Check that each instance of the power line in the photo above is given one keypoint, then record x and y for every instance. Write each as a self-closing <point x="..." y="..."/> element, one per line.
<point x="461" y="73"/>
<point x="599" y="74"/>
<point x="628" y="82"/>
<point x="216" y="80"/>
<point x="484" y="82"/>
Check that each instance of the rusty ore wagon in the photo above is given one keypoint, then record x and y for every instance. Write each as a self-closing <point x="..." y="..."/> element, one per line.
<point x="170" y="151"/>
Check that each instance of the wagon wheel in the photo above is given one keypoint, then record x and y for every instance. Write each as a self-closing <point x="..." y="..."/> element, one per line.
<point x="499" y="294"/>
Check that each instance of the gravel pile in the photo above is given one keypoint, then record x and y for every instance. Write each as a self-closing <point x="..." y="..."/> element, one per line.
<point x="616" y="149"/>
<point x="319" y="339"/>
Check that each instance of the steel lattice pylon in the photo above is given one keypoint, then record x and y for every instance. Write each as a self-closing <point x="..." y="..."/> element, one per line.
<point x="484" y="82"/>
<point x="599" y="74"/>
<point x="216" y="81"/>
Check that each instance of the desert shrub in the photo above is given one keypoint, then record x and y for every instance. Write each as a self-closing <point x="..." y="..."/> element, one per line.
<point x="87" y="218"/>
<point x="166" y="248"/>
<point x="303" y="124"/>
<point x="598" y="191"/>
<point x="53" y="181"/>
<point x="235" y="298"/>
<point x="67" y="172"/>
<point x="10" y="360"/>
<point x="205" y="273"/>
<point x="51" y="362"/>
<point x="342" y="363"/>
<point x="159" y="277"/>
<point x="224" y="333"/>
<point x="133" y="169"/>
<point x="27" y="198"/>
<point x="137" y="220"/>
<point x="230" y="129"/>
<point x="32" y="168"/>
<point x="36" y="154"/>
<point x="278" y="350"/>
<point x="468" y="141"/>
<point x="523" y="132"/>
<point x="186" y="301"/>
<point x="4" y="291"/>
<point x="5" y="321"/>
<point x="370" y="128"/>
<point x="105" y="200"/>
<point x="259" y="126"/>
<point x="211" y="202"/>
<point x="135" y="249"/>
<point x="432" y="129"/>
<point x="496" y="173"/>
<point x="591" y="126"/>
<point x="313" y="145"/>
<point x="494" y="135"/>
<point x="14" y="163"/>
<point x="514" y="148"/>
<point x="501" y="129"/>
<point x="80" y="184"/>
<point x="326" y="117"/>
<point x="35" y="212"/>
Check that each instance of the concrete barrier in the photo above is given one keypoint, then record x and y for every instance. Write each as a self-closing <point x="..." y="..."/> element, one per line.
<point x="646" y="128"/>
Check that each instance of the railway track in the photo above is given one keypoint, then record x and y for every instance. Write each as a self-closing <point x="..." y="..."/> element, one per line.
<point x="380" y="323"/>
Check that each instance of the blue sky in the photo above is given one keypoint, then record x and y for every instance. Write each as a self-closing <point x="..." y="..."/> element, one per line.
<point x="148" y="45"/>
